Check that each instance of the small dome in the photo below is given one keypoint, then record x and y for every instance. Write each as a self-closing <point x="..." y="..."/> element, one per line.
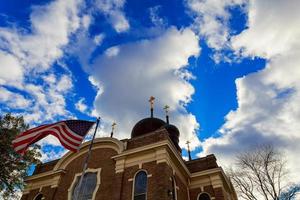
<point x="173" y="134"/>
<point x="147" y="125"/>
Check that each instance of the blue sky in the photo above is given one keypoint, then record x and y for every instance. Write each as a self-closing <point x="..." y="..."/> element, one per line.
<point x="229" y="69"/>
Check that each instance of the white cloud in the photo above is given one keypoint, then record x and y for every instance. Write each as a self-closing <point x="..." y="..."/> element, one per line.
<point x="11" y="72"/>
<point x="275" y="34"/>
<point x="145" y="68"/>
<point x="98" y="39"/>
<point x="54" y="153"/>
<point x="81" y="106"/>
<point x="211" y="18"/>
<point x="64" y="84"/>
<point x="112" y="9"/>
<point x="13" y="100"/>
<point x="268" y="101"/>
<point x="51" y="25"/>
<point x="49" y="101"/>
<point x="112" y="51"/>
<point x="155" y="16"/>
<point x="86" y="21"/>
<point x="27" y="58"/>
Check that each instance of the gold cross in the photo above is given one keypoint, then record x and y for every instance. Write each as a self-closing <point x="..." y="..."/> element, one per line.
<point x="151" y="100"/>
<point x="188" y="144"/>
<point x="166" y="108"/>
<point x="189" y="152"/>
<point x="113" y="126"/>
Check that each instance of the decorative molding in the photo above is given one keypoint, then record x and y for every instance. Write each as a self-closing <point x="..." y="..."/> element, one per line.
<point x="208" y="177"/>
<point x="153" y="146"/>
<point x="161" y="152"/>
<point x="77" y="175"/>
<point x="105" y="142"/>
<point x="206" y="172"/>
<point x="44" y="174"/>
<point x="38" y="181"/>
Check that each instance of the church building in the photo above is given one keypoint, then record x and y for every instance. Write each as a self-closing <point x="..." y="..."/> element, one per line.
<point x="147" y="166"/>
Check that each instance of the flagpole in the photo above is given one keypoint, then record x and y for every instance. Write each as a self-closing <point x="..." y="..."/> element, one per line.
<point x="87" y="159"/>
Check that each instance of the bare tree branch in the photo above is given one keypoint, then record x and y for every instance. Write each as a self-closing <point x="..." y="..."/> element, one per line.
<point x="260" y="173"/>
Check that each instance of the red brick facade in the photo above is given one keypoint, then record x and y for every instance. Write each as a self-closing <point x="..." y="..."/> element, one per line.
<point x="119" y="161"/>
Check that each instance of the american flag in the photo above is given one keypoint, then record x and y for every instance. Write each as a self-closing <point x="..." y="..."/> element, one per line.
<point x="70" y="133"/>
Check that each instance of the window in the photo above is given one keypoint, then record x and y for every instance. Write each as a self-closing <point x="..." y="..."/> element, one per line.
<point x="88" y="186"/>
<point x="174" y="190"/>
<point x="39" y="197"/>
<point x="204" y="196"/>
<point x="140" y="186"/>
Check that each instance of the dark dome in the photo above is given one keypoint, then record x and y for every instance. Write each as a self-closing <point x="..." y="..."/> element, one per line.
<point x="173" y="134"/>
<point x="147" y="125"/>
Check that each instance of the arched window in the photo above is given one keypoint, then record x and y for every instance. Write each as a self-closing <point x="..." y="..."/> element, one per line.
<point x="204" y="196"/>
<point x="39" y="197"/>
<point x="88" y="185"/>
<point x="140" y="186"/>
<point x="174" y="190"/>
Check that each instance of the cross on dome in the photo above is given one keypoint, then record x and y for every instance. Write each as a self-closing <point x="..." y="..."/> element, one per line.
<point x="189" y="152"/>
<point x="113" y="126"/>
<point x="166" y="108"/>
<point x="151" y="100"/>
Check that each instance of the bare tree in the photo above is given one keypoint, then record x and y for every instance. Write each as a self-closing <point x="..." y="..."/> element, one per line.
<point x="262" y="174"/>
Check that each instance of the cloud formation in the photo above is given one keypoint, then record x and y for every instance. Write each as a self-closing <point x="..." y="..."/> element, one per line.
<point x="211" y="20"/>
<point x="81" y="106"/>
<point x="268" y="101"/>
<point x="127" y="75"/>
<point x="112" y="9"/>
<point x="27" y="57"/>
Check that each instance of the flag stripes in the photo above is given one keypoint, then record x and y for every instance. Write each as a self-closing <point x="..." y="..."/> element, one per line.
<point x="68" y="138"/>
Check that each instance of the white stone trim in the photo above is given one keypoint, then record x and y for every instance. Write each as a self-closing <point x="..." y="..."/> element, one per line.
<point x="176" y="187"/>
<point x="105" y="142"/>
<point x="204" y="193"/>
<point x="43" y="197"/>
<point x="98" y="171"/>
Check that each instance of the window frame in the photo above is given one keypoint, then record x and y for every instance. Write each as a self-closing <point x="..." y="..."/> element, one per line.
<point x="77" y="175"/>
<point x="36" y="196"/>
<point x="133" y="183"/>
<point x="175" y="186"/>
<point x="204" y="193"/>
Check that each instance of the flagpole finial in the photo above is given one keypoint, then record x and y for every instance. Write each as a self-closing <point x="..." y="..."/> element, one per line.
<point x="113" y="126"/>
<point x="98" y="118"/>
<point x="189" y="152"/>
<point x="151" y="100"/>
<point x="166" y="108"/>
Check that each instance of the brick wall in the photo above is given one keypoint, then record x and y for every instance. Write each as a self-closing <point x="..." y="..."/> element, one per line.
<point x="119" y="186"/>
<point x="158" y="184"/>
<point x="100" y="158"/>
<point x="44" y="167"/>
<point x="200" y="164"/>
<point x="149" y="138"/>
<point x="219" y="194"/>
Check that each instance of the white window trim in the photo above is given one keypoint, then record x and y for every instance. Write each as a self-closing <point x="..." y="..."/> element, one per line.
<point x="98" y="171"/>
<point x="133" y="183"/>
<point x="38" y="195"/>
<point x="175" y="185"/>
<point x="204" y="193"/>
